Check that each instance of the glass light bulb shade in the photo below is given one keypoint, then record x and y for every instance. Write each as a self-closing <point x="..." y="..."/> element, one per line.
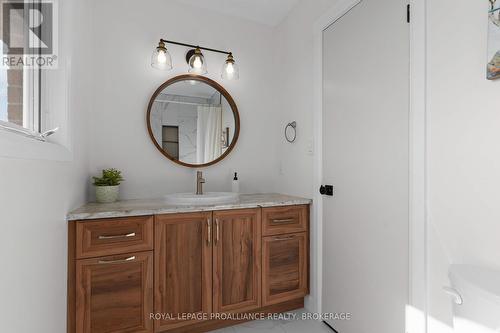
<point x="197" y="63"/>
<point x="161" y="59"/>
<point x="230" y="70"/>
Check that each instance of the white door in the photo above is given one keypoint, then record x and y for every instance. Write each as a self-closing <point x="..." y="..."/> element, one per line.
<point x="365" y="156"/>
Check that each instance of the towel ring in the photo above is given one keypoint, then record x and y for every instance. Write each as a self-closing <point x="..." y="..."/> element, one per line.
<point x="293" y="126"/>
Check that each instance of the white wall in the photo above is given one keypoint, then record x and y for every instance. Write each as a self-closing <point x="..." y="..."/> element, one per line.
<point x="124" y="39"/>
<point x="464" y="135"/>
<point x="294" y="55"/>
<point x="35" y="196"/>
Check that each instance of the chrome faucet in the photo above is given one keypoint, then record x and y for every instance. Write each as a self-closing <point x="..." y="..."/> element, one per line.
<point x="199" y="182"/>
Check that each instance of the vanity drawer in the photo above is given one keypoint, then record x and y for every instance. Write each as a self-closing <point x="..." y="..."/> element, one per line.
<point x="284" y="220"/>
<point x="113" y="236"/>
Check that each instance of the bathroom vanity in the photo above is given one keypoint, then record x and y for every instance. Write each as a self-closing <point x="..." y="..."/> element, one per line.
<point x="149" y="266"/>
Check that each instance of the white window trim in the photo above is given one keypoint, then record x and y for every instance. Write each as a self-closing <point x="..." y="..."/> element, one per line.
<point x="31" y="107"/>
<point x="31" y="98"/>
<point x="23" y="143"/>
<point x="13" y="145"/>
<point x="20" y="143"/>
<point x="13" y="128"/>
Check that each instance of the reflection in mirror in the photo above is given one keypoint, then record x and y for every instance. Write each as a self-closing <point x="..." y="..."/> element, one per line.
<point x="192" y="122"/>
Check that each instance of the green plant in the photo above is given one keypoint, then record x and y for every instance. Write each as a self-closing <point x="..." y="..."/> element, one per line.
<point x="110" y="177"/>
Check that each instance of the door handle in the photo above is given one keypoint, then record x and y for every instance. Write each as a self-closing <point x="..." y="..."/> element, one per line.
<point x="209" y="232"/>
<point x="326" y="190"/>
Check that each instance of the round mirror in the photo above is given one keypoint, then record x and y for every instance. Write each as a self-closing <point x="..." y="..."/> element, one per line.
<point x="193" y="120"/>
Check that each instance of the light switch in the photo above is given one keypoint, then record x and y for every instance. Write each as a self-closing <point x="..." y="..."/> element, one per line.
<point x="310" y="147"/>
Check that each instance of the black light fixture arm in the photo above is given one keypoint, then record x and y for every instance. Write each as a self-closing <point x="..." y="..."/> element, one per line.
<point x="194" y="46"/>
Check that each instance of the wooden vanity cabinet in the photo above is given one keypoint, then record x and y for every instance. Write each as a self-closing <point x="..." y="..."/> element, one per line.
<point x="115" y="294"/>
<point x="110" y="282"/>
<point x="122" y="271"/>
<point x="237" y="253"/>
<point x="284" y="267"/>
<point x="285" y="253"/>
<point x="183" y="267"/>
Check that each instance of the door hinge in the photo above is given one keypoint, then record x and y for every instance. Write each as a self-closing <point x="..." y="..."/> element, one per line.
<point x="408" y="13"/>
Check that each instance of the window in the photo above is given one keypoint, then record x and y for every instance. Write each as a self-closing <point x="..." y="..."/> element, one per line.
<point x="20" y="86"/>
<point x="170" y="140"/>
<point x="20" y="98"/>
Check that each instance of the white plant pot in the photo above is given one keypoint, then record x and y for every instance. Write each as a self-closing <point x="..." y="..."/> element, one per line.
<point x="107" y="194"/>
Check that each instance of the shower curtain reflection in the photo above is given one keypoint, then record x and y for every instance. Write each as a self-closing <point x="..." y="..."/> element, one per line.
<point x="208" y="141"/>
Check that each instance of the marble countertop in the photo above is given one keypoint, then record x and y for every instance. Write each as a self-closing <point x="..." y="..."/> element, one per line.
<point x="142" y="207"/>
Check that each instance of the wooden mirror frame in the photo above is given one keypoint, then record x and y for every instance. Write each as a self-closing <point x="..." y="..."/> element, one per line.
<point x="214" y="85"/>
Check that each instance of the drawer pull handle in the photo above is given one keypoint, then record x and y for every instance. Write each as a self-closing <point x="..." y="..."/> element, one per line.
<point x="116" y="261"/>
<point x="132" y="234"/>
<point x="209" y="232"/>
<point x="283" y="221"/>
<point x="284" y="238"/>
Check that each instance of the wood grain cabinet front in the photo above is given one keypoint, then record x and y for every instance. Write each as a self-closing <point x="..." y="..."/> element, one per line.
<point x="285" y="267"/>
<point x="237" y="253"/>
<point x="114" y="236"/>
<point x="183" y="268"/>
<point x="179" y="272"/>
<point x="285" y="220"/>
<point x="115" y="294"/>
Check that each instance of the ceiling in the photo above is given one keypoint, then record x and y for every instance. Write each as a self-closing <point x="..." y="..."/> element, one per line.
<point x="269" y="12"/>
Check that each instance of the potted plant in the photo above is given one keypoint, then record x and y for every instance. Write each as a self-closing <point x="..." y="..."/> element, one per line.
<point x="107" y="187"/>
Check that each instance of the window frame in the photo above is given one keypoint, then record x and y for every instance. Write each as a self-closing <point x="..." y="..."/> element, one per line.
<point x="32" y="96"/>
<point x="51" y="92"/>
<point x="32" y="106"/>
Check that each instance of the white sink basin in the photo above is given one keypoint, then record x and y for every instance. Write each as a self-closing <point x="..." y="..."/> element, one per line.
<point x="209" y="198"/>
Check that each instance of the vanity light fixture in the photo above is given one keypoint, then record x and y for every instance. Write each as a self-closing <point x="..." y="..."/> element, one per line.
<point x="230" y="70"/>
<point x="195" y="59"/>
<point x="197" y="63"/>
<point x="161" y="58"/>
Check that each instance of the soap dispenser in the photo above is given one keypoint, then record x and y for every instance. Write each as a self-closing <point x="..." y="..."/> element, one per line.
<point x="236" y="184"/>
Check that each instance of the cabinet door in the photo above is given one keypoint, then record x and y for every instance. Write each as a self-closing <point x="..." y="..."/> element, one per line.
<point x="237" y="256"/>
<point x="115" y="294"/>
<point x="284" y="267"/>
<point x="183" y="268"/>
